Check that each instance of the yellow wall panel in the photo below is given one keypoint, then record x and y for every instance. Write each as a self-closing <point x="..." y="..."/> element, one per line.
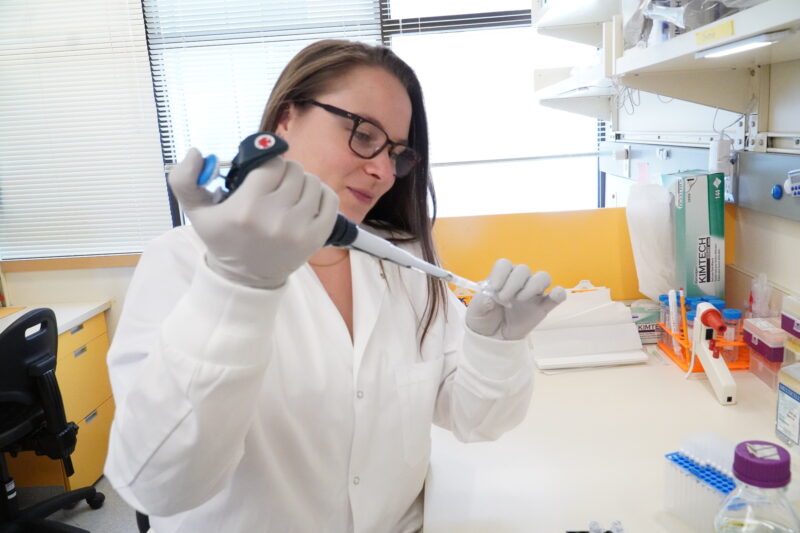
<point x="570" y="245"/>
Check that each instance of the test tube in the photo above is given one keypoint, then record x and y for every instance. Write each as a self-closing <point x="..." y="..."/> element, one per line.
<point x="733" y="319"/>
<point x="691" y="302"/>
<point x="690" y="316"/>
<point x="674" y="320"/>
<point x="663" y="301"/>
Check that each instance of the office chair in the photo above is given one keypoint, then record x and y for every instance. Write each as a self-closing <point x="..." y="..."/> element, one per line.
<point x="32" y="418"/>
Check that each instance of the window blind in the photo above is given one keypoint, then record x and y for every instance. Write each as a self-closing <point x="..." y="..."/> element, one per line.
<point x="214" y="63"/>
<point x="81" y="171"/>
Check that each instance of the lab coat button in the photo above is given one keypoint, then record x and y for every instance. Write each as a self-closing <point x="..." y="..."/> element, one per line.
<point x="360" y="394"/>
<point x="356" y="480"/>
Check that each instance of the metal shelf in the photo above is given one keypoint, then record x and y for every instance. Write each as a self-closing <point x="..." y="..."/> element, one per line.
<point x="590" y="90"/>
<point x="671" y="68"/>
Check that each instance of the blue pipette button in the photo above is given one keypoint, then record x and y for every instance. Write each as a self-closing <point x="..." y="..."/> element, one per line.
<point x="209" y="169"/>
<point x="777" y="192"/>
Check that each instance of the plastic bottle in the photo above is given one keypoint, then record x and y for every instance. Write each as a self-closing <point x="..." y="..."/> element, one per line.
<point x="759" y="503"/>
<point x="758" y="305"/>
<point x="733" y="319"/>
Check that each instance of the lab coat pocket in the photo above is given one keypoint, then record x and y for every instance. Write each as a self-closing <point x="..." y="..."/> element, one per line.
<point x="417" y="386"/>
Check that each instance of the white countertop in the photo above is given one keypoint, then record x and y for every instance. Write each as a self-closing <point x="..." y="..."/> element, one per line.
<point x="591" y="448"/>
<point x="68" y="315"/>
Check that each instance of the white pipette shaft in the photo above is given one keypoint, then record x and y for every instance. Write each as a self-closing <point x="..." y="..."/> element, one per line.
<point x="381" y="248"/>
<point x="372" y="244"/>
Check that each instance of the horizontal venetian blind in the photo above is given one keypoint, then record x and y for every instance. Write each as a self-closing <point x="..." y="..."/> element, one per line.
<point x="81" y="170"/>
<point x="214" y="62"/>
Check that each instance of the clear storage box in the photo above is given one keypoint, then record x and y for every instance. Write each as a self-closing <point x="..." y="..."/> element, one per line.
<point x="766" y="370"/>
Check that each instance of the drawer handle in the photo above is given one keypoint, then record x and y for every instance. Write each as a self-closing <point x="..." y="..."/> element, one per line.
<point x="91" y="416"/>
<point x="76" y="329"/>
<point x="80" y="351"/>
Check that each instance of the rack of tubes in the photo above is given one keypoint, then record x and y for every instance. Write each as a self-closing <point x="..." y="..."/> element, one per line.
<point x="735" y="353"/>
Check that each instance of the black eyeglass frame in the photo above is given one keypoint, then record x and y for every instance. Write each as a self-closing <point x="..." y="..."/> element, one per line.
<point x="357" y="120"/>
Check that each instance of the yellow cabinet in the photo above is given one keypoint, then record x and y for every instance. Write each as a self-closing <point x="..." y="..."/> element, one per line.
<point x="86" y="390"/>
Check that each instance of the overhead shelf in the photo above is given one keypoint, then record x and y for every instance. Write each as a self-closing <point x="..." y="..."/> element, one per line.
<point x="678" y="54"/>
<point x="671" y="68"/>
<point x="588" y="92"/>
<point x="578" y="21"/>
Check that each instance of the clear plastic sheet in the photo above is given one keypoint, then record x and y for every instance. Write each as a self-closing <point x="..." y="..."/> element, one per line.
<point x="648" y="22"/>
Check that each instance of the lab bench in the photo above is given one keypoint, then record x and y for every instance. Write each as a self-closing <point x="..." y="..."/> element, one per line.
<point x="592" y="447"/>
<point x="86" y="390"/>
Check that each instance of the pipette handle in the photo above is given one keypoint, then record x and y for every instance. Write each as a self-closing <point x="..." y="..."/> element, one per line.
<point x="255" y="150"/>
<point x="344" y="232"/>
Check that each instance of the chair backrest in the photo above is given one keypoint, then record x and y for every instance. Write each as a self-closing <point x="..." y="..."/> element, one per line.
<point x="24" y="354"/>
<point x="28" y="378"/>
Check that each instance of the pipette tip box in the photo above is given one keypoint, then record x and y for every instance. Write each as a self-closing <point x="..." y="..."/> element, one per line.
<point x="790" y="315"/>
<point x="765" y="336"/>
<point x="694" y="490"/>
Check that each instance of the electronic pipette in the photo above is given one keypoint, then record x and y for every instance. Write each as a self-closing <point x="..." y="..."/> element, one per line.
<point x="707" y="323"/>
<point x="258" y="148"/>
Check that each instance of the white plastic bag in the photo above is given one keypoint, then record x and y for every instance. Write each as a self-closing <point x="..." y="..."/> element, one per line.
<point x="650" y="225"/>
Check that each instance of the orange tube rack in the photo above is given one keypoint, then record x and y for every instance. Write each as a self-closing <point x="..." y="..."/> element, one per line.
<point x="683" y="359"/>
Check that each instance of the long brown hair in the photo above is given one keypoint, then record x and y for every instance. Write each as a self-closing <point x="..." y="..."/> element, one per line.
<point x="403" y="210"/>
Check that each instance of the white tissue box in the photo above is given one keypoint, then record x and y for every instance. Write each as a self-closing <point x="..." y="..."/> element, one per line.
<point x="699" y="231"/>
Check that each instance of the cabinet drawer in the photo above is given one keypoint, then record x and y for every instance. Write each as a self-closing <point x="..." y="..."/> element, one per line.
<point x="83" y="378"/>
<point x="90" y="452"/>
<point x="71" y="340"/>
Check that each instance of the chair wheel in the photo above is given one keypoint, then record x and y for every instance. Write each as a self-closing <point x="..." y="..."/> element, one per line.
<point x="96" y="501"/>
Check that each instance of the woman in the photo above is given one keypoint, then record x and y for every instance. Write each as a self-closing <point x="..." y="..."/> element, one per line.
<point x="264" y="383"/>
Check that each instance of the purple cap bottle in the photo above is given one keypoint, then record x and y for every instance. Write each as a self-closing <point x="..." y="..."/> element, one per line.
<point x="762" y="464"/>
<point x="759" y="501"/>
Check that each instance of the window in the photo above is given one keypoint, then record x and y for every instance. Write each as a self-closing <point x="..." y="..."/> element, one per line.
<point x="493" y="148"/>
<point x="81" y="171"/>
<point x="214" y="63"/>
<point x="99" y="98"/>
<point x="214" y="67"/>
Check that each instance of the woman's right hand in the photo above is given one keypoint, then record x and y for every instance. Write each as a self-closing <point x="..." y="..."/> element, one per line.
<point x="266" y="229"/>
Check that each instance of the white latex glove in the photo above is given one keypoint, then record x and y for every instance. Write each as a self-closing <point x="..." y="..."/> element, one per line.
<point x="524" y="294"/>
<point x="266" y="229"/>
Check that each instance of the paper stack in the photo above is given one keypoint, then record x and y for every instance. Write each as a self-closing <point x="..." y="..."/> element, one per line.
<point x="588" y="329"/>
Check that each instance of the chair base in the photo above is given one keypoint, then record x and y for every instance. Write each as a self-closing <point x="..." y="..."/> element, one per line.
<point x="33" y="519"/>
<point x="40" y="526"/>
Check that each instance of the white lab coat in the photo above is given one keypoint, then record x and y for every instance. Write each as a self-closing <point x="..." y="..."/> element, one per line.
<point x="248" y="410"/>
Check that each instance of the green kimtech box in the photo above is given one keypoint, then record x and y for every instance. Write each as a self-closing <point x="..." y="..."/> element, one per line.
<point x="699" y="231"/>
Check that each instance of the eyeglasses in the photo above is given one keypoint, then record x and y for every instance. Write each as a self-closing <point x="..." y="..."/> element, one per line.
<point x="367" y="140"/>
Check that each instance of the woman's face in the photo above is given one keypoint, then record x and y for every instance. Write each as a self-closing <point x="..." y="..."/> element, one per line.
<point x="318" y="139"/>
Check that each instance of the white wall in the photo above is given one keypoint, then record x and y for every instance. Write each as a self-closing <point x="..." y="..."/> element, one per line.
<point x="764" y="243"/>
<point x="78" y="285"/>
<point x="767" y="244"/>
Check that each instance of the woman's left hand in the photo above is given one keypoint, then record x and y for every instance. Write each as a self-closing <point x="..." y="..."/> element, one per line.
<point x="523" y="294"/>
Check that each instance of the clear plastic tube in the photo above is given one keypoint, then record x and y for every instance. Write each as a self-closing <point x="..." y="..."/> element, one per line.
<point x="482" y="287"/>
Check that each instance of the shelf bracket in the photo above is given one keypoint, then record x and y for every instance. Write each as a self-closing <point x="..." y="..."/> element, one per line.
<point x="728" y="89"/>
